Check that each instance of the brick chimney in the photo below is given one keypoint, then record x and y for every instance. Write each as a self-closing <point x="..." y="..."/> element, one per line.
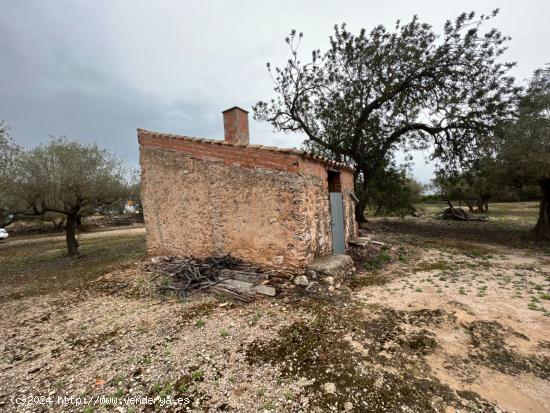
<point x="235" y="125"/>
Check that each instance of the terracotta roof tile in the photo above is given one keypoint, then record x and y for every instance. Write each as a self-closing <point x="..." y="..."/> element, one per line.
<point x="303" y="154"/>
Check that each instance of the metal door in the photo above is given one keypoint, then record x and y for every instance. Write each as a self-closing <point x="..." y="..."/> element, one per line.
<point x="337" y="222"/>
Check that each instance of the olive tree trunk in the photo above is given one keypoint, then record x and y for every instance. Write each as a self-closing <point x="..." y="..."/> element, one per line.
<point x="483" y="204"/>
<point x="542" y="229"/>
<point x="70" y="235"/>
<point x="362" y="196"/>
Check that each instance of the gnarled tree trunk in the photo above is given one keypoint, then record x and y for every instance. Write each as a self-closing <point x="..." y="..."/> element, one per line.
<point x="70" y="235"/>
<point x="483" y="204"/>
<point x="361" y="193"/>
<point x="542" y="229"/>
<point x="360" y="209"/>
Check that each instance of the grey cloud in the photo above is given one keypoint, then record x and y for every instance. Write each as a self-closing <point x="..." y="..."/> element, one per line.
<point x="98" y="70"/>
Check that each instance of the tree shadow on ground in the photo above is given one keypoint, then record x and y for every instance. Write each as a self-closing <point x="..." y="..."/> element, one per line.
<point x="516" y="236"/>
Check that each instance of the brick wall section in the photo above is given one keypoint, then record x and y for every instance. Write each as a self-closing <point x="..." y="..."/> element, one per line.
<point x="203" y="199"/>
<point x="220" y="151"/>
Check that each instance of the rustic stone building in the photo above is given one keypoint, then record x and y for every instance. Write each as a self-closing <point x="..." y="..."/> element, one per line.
<point x="266" y="205"/>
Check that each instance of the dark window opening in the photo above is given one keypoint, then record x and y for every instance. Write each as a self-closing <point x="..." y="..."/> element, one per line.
<point x="334" y="181"/>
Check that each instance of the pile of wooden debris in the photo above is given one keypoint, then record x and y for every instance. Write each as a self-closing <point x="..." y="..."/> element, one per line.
<point x="458" y="214"/>
<point x="224" y="275"/>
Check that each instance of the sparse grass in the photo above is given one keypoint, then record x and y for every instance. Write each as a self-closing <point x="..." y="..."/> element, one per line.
<point x="509" y="224"/>
<point x="40" y="267"/>
<point x="197" y="375"/>
<point x="320" y="344"/>
<point x="378" y="262"/>
<point x="254" y="319"/>
<point x="364" y="280"/>
<point x="162" y="389"/>
<point x="269" y="406"/>
<point x="441" y="265"/>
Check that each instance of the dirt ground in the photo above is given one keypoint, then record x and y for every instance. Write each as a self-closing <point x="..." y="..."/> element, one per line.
<point x="443" y="318"/>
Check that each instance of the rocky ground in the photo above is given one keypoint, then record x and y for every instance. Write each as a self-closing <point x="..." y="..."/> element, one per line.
<point x="429" y="323"/>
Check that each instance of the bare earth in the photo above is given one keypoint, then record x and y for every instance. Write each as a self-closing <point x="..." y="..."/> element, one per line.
<point x="492" y="292"/>
<point x="440" y="325"/>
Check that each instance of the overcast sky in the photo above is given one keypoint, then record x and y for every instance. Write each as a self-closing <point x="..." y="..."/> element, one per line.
<point x="97" y="70"/>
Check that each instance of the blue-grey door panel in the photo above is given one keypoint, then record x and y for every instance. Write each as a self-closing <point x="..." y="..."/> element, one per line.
<point x="337" y="223"/>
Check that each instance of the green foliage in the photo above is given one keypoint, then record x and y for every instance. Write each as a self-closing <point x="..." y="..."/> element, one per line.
<point x="391" y="191"/>
<point x="370" y="94"/>
<point x="197" y="375"/>
<point x="524" y="154"/>
<point x="377" y="262"/>
<point x="9" y="151"/>
<point x="475" y="186"/>
<point x="63" y="177"/>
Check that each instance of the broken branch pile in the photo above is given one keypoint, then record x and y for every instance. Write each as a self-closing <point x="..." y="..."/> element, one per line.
<point x="223" y="275"/>
<point x="458" y="214"/>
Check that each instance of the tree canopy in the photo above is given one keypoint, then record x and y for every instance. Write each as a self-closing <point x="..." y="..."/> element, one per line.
<point x="8" y="154"/>
<point x="525" y="150"/>
<point x="372" y="93"/>
<point x="480" y="182"/>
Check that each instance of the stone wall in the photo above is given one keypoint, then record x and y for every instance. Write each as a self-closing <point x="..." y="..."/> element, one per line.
<point x="203" y="208"/>
<point x="350" y="224"/>
<point x="200" y="203"/>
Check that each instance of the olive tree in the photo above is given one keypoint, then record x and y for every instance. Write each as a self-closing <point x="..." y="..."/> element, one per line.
<point x="64" y="177"/>
<point x="475" y="186"/>
<point x="394" y="193"/>
<point x="372" y="93"/>
<point x="9" y="151"/>
<point x="525" y="153"/>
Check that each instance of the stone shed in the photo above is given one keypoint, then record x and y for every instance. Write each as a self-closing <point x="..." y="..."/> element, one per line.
<point x="266" y="205"/>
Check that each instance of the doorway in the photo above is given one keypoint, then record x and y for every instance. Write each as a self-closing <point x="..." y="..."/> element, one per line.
<point x="336" y="212"/>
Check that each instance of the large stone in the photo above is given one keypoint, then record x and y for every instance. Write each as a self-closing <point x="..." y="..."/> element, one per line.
<point x="329" y="388"/>
<point x="278" y="260"/>
<point x="359" y="241"/>
<point x="266" y="290"/>
<point x="336" y="266"/>
<point x="240" y="285"/>
<point x="301" y="280"/>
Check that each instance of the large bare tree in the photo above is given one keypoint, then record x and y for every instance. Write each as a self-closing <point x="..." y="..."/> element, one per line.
<point x="372" y="93"/>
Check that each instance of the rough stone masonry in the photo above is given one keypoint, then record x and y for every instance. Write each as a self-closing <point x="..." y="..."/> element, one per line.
<point x="264" y="205"/>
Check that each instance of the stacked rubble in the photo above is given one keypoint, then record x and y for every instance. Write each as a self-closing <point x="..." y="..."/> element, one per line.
<point x="242" y="281"/>
<point x="224" y="275"/>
